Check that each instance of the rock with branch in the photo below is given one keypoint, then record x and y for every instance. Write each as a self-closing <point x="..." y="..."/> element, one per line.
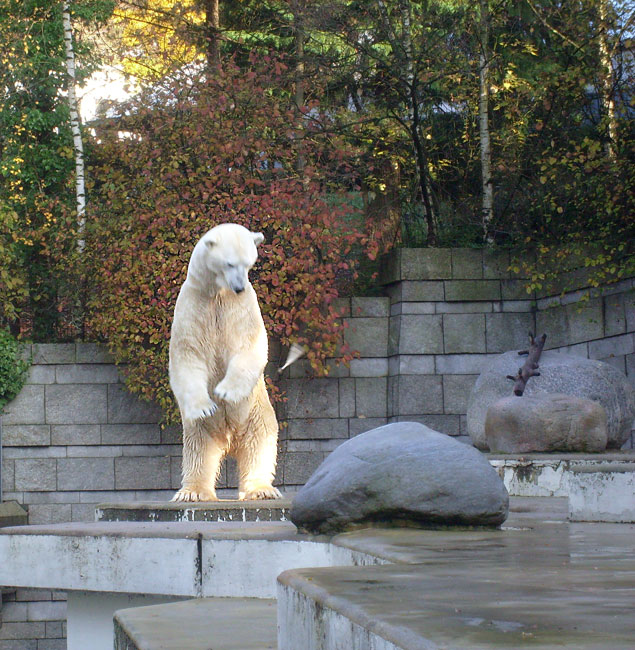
<point x="530" y="367"/>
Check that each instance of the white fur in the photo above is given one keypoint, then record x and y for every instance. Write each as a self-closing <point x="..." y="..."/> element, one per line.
<point x="218" y="352"/>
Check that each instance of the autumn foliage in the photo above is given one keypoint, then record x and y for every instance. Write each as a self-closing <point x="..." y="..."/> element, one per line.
<point x="203" y="150"/>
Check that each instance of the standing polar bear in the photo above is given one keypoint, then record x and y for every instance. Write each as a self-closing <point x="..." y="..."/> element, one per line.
<point x="218" y="352"/>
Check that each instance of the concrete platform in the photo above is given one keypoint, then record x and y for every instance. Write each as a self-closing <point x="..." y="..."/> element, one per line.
<point x="229" y="510"/>
<point x="201" y="624"/>
<point x="541" y="582"/>
<point x="549" y="475"/>
<point x="604" y="492"/>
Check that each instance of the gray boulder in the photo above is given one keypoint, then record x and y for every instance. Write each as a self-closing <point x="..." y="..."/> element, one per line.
<point x="401" y="474"/>
<point x="559" y="373"/>
<point x="546" y="423"/>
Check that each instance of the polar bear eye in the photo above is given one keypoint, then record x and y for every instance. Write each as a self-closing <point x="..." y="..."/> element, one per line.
<point x="230" y="266"/>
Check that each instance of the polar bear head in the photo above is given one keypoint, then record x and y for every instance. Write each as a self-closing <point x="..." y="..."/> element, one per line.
<point x="223" y="256"/>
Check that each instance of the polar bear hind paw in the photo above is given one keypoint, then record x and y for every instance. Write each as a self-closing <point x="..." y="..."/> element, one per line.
<point x="261" y="492"/>
<point x="192" y="495"/>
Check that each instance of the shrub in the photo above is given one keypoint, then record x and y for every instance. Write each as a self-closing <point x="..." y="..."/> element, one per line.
<point x="13" y="368"/>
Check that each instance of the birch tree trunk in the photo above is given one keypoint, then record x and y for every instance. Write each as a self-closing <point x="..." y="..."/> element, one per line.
<point x="299" y="38"/>
<point x="487" y="205"/>
<point x="78" y="146"/>
<point x="608" y="102"/>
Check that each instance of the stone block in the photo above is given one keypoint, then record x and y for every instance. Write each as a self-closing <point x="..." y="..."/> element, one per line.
<point x="368" y="336"/>
<point x="53" y="353"/>
<point x="629" y="310"/>
<point x="467" y="263"/>
<point x="619" y="363"/>
<point x="342" y="306"/>
<point x="313" y="398"/>
<point x="456" y="392"/>
<point x="55" y="629"/>
<point x="49" y="513"/>
<point x="320" y="428"/>
<point x="85" y="474"/>
<point x="426" y="263"/>
<point x="417" y="395"/>
<point x="148" y="450"/>
<point x="347" y="398"/>
<point x="464" y="307"/>
<point x="26" y="435"/>
<point x="41" y="375"/>
<point x="126" y="408"/>
<point x="508" y="331"/>
<point x="35" y="474"/>
<point x="472" y="290"/>
<point x="46" y="610"/>
<point x="101" y="451"/>
<point x="515" y="289"/>
<point x="461" y="364"/>
<point x="26" y="408"/>
<point x="75" y="434"/>
<point x="92" y="353"/>
<point x="411" y="364"/>
<point x="394" y="329"/>
<point x="585" y="321"/>
<point x="463" y="333"/>
<point x="373" y="307"/>
<point x="370" y="397"/>
<point x="314" y="445"/>
<point x="76" y="404"/>
<point x="21" y="631"/>
<point x="612" y="347"/>
<point x="360" y="425"/>
<point x="416" y="307"/>
<point x="130" y="434"/>
<point x="82" y="512"/>
<point x="496" y="265"/>
<point x="137" y="473"/>
<point x="86" y="373"/>
<point x="420" y="334"/>
<point x="377" y="367"/>
<point x="171" y="435"/>
<point x="614" y="315"/>
<point x="300" y="465"/>
<point x="421" y="291"/>
<point x="8" y="475"/>
<point x="13" y="612"/>
<point x="515" y="306"/>
<point x="176" y="466"/>
<point x="390" y="267"/>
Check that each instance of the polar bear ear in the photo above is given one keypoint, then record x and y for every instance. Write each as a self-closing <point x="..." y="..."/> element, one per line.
<point x="258" y="237"/>
<point x="210" y="243"/>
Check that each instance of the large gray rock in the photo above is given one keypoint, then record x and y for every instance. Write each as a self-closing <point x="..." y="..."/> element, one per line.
<point x="559" y="373"/>
<point x="401" y="474"/>
<point x="545" y="423"/>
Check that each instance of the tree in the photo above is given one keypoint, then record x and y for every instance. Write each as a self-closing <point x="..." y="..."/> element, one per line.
<point x="203" y="150"/>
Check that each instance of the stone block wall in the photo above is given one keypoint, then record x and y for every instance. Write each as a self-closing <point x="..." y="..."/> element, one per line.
<point x="75" y="437"/>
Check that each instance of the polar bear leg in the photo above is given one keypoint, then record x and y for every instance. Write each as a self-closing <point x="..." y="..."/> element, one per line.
<point x="202" y="456"/>
<point x="256" y="455"/>
<point x="243" y="372"/>
<point x="189" y="385"/>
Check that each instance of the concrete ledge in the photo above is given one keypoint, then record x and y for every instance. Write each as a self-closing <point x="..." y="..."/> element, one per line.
<point x="605" y="492"/>
<point x="550" y="475"/>
<point x="231" y="510"/>
<point x="201" y="624"/>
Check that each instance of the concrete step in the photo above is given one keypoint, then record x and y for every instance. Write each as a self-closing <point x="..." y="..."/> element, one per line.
<point x="229" y="510"/>
<point x="549" y="475"/>
<point x="200" y="624"/>
<point x="604" y="492"/>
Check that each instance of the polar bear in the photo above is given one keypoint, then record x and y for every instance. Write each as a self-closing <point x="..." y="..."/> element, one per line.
<point x="218" y="352"/>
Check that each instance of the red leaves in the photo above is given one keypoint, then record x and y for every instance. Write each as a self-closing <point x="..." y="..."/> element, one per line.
<point x="219" y="158"/>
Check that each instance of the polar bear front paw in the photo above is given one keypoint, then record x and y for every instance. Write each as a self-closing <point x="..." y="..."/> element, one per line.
<point x="229" y="392"/>
<point x="201" y="494"/>
<point x="200" y="411"/>
<point x="260" y="492"/>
